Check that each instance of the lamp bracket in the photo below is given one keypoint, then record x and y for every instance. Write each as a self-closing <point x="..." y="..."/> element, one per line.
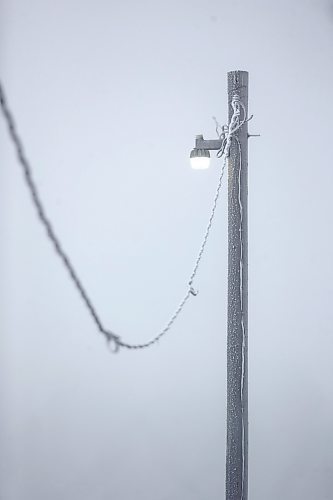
<point x="214" y="144"/>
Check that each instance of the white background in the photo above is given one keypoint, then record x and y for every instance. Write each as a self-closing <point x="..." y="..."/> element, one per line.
<point x="108" y="98"/>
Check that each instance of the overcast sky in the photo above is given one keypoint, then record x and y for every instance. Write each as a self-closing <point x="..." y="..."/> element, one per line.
<point x="108" y="98"/>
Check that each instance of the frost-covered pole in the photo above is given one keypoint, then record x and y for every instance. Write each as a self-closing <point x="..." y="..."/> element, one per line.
<point x="237" y="380"/>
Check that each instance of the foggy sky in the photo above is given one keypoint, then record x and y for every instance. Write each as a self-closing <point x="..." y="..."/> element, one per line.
<point x="108" y="98"/>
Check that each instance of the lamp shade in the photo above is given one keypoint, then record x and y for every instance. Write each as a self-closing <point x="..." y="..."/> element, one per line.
<point x="200" y="159"/>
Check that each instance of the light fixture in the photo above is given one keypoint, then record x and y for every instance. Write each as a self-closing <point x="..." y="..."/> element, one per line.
<point x="200" y="159"/>
<point x="200" y="155"/>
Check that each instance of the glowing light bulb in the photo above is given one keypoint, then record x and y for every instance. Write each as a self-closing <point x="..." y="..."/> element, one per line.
<point x="200" y="159"/>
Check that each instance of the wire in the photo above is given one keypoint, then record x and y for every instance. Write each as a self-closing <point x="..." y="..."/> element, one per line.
<point x="241" y="267"/>
<point x="113" y="340"/>
<point x="44" y="219"/>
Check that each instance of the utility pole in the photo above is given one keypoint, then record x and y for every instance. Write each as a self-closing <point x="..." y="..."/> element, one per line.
<point x="233" y="145"/>
<point x="237" y="340"/>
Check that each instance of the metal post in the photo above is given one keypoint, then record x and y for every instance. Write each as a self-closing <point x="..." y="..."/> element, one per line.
<point x="237" y="372"/>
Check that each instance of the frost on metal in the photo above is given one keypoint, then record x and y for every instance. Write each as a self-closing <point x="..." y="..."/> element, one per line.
<point x="237" y="407"/>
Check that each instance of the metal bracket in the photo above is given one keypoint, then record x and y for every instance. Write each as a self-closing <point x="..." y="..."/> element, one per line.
<point x="214" y="144"/>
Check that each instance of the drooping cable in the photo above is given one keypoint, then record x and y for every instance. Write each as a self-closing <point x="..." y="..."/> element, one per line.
<point x="113" y="340"/>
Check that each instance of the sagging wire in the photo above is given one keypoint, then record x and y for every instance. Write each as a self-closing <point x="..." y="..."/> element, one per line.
<point x="114" y="341"/>
<point x="41" y="213"/>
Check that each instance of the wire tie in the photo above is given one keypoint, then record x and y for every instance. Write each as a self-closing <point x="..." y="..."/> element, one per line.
<point x="194" y="292"/>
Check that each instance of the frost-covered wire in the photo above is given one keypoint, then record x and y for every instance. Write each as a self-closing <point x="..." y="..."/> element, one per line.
<point x="241" y="267"/>
<point x="114" y="341"/>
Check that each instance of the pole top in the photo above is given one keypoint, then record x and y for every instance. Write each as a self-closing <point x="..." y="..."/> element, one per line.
<point x="238" y="81"/>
